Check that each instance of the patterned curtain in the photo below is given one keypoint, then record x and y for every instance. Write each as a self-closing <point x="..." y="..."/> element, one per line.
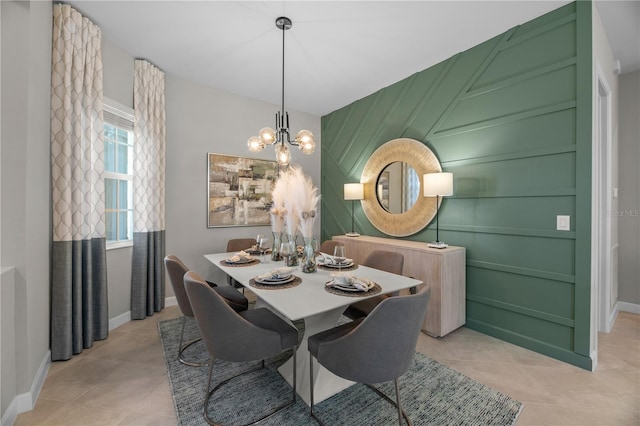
<point x="147" y="273"/>
<point x="79" y="312"/>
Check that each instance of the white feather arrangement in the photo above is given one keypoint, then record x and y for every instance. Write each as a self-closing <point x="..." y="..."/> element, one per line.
<point x="305" y="199"/>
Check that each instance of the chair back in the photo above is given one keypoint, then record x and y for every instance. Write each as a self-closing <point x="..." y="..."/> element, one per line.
<point x="227" y="334"/>
<point x="328" y="246"/>
<point x="389" y="261"/>
<point x="176" y="270"/>
<point x="238" y="244"/>
<point x="382" y="346"/>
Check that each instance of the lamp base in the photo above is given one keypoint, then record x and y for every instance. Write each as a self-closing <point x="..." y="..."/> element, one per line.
<point x="352" y="234"/>
<point x="438" y="245"/>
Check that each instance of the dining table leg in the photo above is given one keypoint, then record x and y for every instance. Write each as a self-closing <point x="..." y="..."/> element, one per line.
<point x="326" y="384"/>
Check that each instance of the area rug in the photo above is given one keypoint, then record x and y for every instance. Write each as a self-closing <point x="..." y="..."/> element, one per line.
<point x="431" y="393"/>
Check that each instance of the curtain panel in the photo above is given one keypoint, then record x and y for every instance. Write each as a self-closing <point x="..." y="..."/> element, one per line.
<point x="79" y="307"/>
<point x="147" y="270"/>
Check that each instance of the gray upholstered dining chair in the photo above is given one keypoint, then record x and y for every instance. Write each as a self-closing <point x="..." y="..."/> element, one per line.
<point x="384" y="260"/>
<point x="235" y="245"/>
<point x="375" y="349"/>
<point x="328" y="246"/>
<point x="245" y="336"/>
<point x="176" y="270"/>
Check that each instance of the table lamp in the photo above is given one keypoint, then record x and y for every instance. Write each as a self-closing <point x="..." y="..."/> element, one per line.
<point x="438" y="185"/>
<point x="353" y="191"/>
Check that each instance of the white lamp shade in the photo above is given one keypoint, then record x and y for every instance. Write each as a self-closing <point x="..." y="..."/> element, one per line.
<point x="437" y="184"/>
<point x="353" y="191"/>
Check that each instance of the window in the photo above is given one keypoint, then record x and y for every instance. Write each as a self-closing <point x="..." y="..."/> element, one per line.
<point x="118" y="175"/>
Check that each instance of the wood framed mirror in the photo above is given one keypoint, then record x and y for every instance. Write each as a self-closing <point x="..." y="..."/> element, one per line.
<point x="392" y="171"/>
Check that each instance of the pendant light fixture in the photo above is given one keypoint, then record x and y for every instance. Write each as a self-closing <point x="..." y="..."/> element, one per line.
<point x="267" y="136"/>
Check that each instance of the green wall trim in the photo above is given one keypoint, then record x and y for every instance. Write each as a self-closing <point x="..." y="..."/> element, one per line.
<point x="521" y="271"/>
<point x="584" y="86"/>
<point x="533" y="344"/>
<point x="542" y="233"/>
<point x="511" y="119"/>
<point x="520" y="310"/>
<point x="511" y="156"/>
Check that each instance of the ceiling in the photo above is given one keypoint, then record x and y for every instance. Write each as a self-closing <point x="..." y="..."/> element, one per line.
<point x="336" y="52"/>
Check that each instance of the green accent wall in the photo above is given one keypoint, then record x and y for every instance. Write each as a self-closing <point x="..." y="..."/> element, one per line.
<point x="511" y="119"/>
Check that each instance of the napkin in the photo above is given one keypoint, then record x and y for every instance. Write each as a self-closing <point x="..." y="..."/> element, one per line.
<point x="241" y="255"/>
<point x="353" y="281"/>
<point x="276" y="273"/>
<point x="330" y="260"/>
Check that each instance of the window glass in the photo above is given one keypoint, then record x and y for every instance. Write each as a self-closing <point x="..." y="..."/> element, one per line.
<point x="118" y="158"/>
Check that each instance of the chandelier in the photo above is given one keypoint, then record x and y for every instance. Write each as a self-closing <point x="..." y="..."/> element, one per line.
<point x="267" y="136"/>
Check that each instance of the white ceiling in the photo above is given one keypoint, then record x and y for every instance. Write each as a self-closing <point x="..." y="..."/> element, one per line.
<point x="337" y="51"/>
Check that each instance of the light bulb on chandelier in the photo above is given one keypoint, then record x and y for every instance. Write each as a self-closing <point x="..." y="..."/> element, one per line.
<point x="304" y="139"/>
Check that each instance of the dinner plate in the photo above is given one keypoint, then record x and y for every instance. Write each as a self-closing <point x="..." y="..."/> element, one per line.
<point x="341" y="265"/>
<point x="349" y="287"/>
<point x="274" y="281"/>
<point x="241" y="261"/>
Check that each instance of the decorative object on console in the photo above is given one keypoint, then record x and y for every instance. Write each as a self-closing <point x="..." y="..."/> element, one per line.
<point x="438" y="185"/>
<point x="353" y="191"/>
<point x="304" y="139"/>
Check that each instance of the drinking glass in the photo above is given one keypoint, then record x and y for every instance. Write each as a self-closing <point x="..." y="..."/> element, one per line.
<point x="285" y="252"/>
<point x="263" y="245"/>
<point x="340" y="256"/>
<point x="258" y="238"/>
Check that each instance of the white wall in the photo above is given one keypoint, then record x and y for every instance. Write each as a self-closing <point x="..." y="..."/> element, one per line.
<point x="26" y="223"/>
<point x="629" y="136"/>
<point x="603" y="69"/>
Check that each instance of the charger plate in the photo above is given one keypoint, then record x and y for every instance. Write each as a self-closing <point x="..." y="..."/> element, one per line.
<point x="295" y="282"/>
<point x="252" y="262"/>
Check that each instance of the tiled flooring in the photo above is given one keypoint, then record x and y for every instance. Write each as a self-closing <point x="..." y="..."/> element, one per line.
<point x="123" y="380"/>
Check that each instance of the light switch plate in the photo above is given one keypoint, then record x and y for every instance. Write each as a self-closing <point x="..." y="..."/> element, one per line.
<point x="563" y="223"/>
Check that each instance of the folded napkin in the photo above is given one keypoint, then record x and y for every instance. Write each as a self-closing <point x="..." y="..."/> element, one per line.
<point x="330" y="260"/>
<point x="278" y="273"/>
<point x="241" y="255"/>
<point x="351" y="281"/>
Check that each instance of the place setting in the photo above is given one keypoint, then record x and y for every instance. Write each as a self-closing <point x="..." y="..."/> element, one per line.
<point x="352" y="286"/>
<point x="241" y="258"/>
<point x="278" y="278"/>
<point x="338" y="261"/>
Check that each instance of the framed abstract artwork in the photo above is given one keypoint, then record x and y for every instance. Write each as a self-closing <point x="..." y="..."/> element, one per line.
<point x="239" y="190"/>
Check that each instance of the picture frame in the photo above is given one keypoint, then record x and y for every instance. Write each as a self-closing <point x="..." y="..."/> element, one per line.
<point x="239" y="190"/>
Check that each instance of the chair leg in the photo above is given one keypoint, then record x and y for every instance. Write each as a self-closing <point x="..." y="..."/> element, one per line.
<point x="316" y="418"/>
<point x="181" y="348"/>
<point x="209" y="394"/>
<point x="295" y="379"/>
<point x="401" y="412"/>
<point x="398" y="403"/>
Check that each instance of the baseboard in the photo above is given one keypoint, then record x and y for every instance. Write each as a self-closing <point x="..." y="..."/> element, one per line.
<point x="119" y="320"/>
<point x="628" y="307"/>
<point x="170" y="301"/>
<point x="594" y="360"/>
<point x="26" y="401"/>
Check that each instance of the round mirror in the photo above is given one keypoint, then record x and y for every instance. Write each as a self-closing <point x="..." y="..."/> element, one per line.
<point x="416" y="215"/>
<point x="397" y="187"/>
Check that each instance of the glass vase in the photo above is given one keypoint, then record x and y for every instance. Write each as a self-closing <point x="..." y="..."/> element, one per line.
<point x="309" y="256"/>
<point x="275" y="250"/>
<point x="292" y="260"/>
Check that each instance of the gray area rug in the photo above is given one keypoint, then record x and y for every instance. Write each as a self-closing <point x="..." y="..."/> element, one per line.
<point x="431" y="393"/>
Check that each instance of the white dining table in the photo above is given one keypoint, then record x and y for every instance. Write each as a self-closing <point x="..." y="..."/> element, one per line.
<point x="309" y="301"/>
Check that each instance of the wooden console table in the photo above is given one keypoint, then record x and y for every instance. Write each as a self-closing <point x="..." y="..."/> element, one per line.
<point x="443" y="269"/>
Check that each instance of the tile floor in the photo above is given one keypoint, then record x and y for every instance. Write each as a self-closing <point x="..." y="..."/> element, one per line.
<point x="123" y="381"/>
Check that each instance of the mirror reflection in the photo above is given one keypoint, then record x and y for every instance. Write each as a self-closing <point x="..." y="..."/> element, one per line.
<point x="397" y="187"/>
